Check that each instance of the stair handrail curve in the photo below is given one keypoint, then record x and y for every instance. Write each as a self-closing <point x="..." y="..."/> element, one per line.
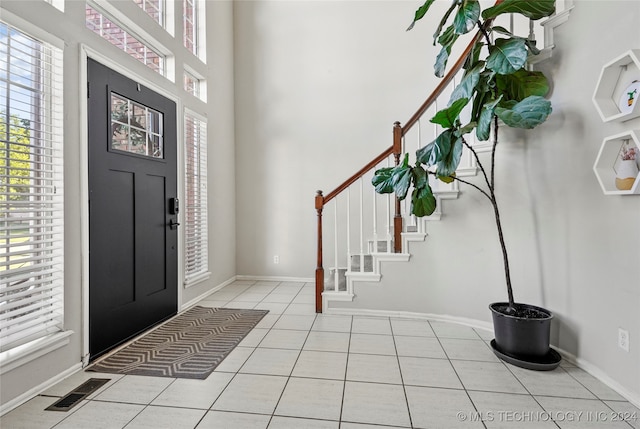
<point x="399" y="132"/>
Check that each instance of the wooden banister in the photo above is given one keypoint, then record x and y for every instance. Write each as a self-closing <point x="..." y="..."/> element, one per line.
<point x="395" y="150"/>
<point x="319" y="202"/>
<point x="351" y="180"/>
<point x="446" y="80"/>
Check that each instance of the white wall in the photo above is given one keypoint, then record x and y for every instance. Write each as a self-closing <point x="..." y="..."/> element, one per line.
<point x="70" y="28"/>
<point x="318" y="85"/>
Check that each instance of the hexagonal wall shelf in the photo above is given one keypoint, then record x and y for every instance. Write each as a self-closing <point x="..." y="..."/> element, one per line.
<point x="609" y="163"/>
<point x="617" y="94"/>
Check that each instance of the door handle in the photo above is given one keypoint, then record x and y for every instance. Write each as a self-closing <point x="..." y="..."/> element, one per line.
<point x="173" y="225"/>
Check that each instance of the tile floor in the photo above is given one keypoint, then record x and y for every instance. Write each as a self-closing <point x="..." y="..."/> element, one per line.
<point x="300" y="370"/>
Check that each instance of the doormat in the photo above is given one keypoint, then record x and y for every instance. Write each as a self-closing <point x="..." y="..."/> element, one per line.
<point x="190" y="345"/>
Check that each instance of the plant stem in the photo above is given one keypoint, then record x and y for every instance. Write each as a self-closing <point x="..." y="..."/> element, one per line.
<point x="474" y="186"/>
<point x="496" y="212"/>
<point x="475" y="155"/>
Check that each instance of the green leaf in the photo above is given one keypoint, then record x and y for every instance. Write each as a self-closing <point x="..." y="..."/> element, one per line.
<point x="528" y="113"/>
<point x="441" y="61"/>
<point x="443" y="21"/>
<point x="484" y="121"/>
<point x="447" y="179"/>
<point x="473" y="56"/>
<point x="420" y="177"/>
<point x="449" y="164"/>
<point x="501" y="30"/>
<point x="507" y="55"/>
<point x="467" y="16"/>
<point x="382" y="180"/>
<point x="437" y="150"/>
<point x="531" y="45"/>
<point x="447" y="117"/>
<point x="421" y="12"/>
<point x="447" y="39"/>
<point x="401" y="180"/>
<point x="522" y="84"/>
<point x="423" y="203"/>
<point x="468" y="84"/>
<point x="484" y="90"/>
<point x="536" y="9"/>
<point x="393" y="179"/>
<point x="466" y="129"/>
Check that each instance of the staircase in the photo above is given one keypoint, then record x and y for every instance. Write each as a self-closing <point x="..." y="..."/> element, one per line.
<point x="359" y="230"/>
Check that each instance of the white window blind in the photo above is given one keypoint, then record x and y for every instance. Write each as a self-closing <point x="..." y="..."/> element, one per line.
<point x="196" y="237"/>
<point x="31" y="197"/>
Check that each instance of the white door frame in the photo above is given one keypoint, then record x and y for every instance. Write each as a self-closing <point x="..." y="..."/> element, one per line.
<point x="88" y="52"/>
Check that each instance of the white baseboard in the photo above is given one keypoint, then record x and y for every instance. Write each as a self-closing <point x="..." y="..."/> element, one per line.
<point x="600" y="375"/>
<point x="35" y="391"/>
<point x="195" y="300"/>
<point x="583" y="364"/>
<point x="472" y="323"/>
<point x="276" y="279"/>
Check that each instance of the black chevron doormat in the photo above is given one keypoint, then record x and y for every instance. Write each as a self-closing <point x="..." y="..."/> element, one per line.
<point x="190" y="345"/>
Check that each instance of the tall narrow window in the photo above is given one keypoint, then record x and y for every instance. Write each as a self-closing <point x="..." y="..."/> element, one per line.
<point x="196" y="237"/>
<point x="190" y="10"/>
<point x="31" y="191"/>
<point x="191" y="84"/>
<point x="154" y="8"/>
<point x="100" y="24"/>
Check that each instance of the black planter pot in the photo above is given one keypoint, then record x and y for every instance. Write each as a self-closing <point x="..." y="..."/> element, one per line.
<point x="522" y="340"/>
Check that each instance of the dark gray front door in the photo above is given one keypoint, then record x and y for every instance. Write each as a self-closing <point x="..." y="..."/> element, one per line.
<point x="133" y="232"/>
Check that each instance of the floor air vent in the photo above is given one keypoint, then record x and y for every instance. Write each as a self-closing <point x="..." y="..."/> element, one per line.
<point x="74" y="397"/>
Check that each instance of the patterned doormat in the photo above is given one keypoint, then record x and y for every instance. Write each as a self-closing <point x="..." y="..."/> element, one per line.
<point x="190" y="345"/>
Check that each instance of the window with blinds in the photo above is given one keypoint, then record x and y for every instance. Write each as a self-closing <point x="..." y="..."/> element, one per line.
<point x="195" y="218"/>
<point x="31" y="191"/>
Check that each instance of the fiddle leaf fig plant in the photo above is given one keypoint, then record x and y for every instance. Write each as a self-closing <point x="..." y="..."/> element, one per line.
<point x="495" y="87"/>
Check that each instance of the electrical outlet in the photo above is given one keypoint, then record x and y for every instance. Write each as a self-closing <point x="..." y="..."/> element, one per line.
<point x="276" y="259"/>
<point x="623" y="339"/>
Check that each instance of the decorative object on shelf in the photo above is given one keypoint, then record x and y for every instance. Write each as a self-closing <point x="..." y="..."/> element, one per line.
<point x="618" y="88"/>
<point x="626" y="168"/>
<point x="629" y="97"/>
<point x="497" y="88"/>
<point x="618" y="163"/>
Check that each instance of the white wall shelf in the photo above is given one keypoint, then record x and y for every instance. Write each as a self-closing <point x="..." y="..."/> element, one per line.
<point x="611" y="96"/>
<point x="608" y="162"/>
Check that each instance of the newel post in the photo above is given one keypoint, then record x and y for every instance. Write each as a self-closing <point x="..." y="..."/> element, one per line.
<point x="397" y="218"/>
<point x="319" y="268"/>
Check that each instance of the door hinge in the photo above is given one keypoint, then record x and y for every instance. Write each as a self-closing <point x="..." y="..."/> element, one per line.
<point x="88" y="89"/>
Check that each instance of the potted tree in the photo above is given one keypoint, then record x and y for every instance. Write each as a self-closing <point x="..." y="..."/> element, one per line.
<point x="496" y="89"/>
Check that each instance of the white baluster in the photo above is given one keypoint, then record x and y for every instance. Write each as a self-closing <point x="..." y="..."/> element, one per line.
<point x="361" y="226"/>
<point x="336" y="274"/>
<point x="375" y="221"/>
<point x="388" y="227"/>
<point x="349" y="228"/>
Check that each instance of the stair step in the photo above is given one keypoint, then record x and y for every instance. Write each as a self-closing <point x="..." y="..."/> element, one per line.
<point x="330" y="280"/>
<point x="380" y="246"/>
<point x="368" y="263"/>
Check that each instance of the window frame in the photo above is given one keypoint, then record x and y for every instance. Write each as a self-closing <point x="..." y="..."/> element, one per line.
<point x="195" y="215"/>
